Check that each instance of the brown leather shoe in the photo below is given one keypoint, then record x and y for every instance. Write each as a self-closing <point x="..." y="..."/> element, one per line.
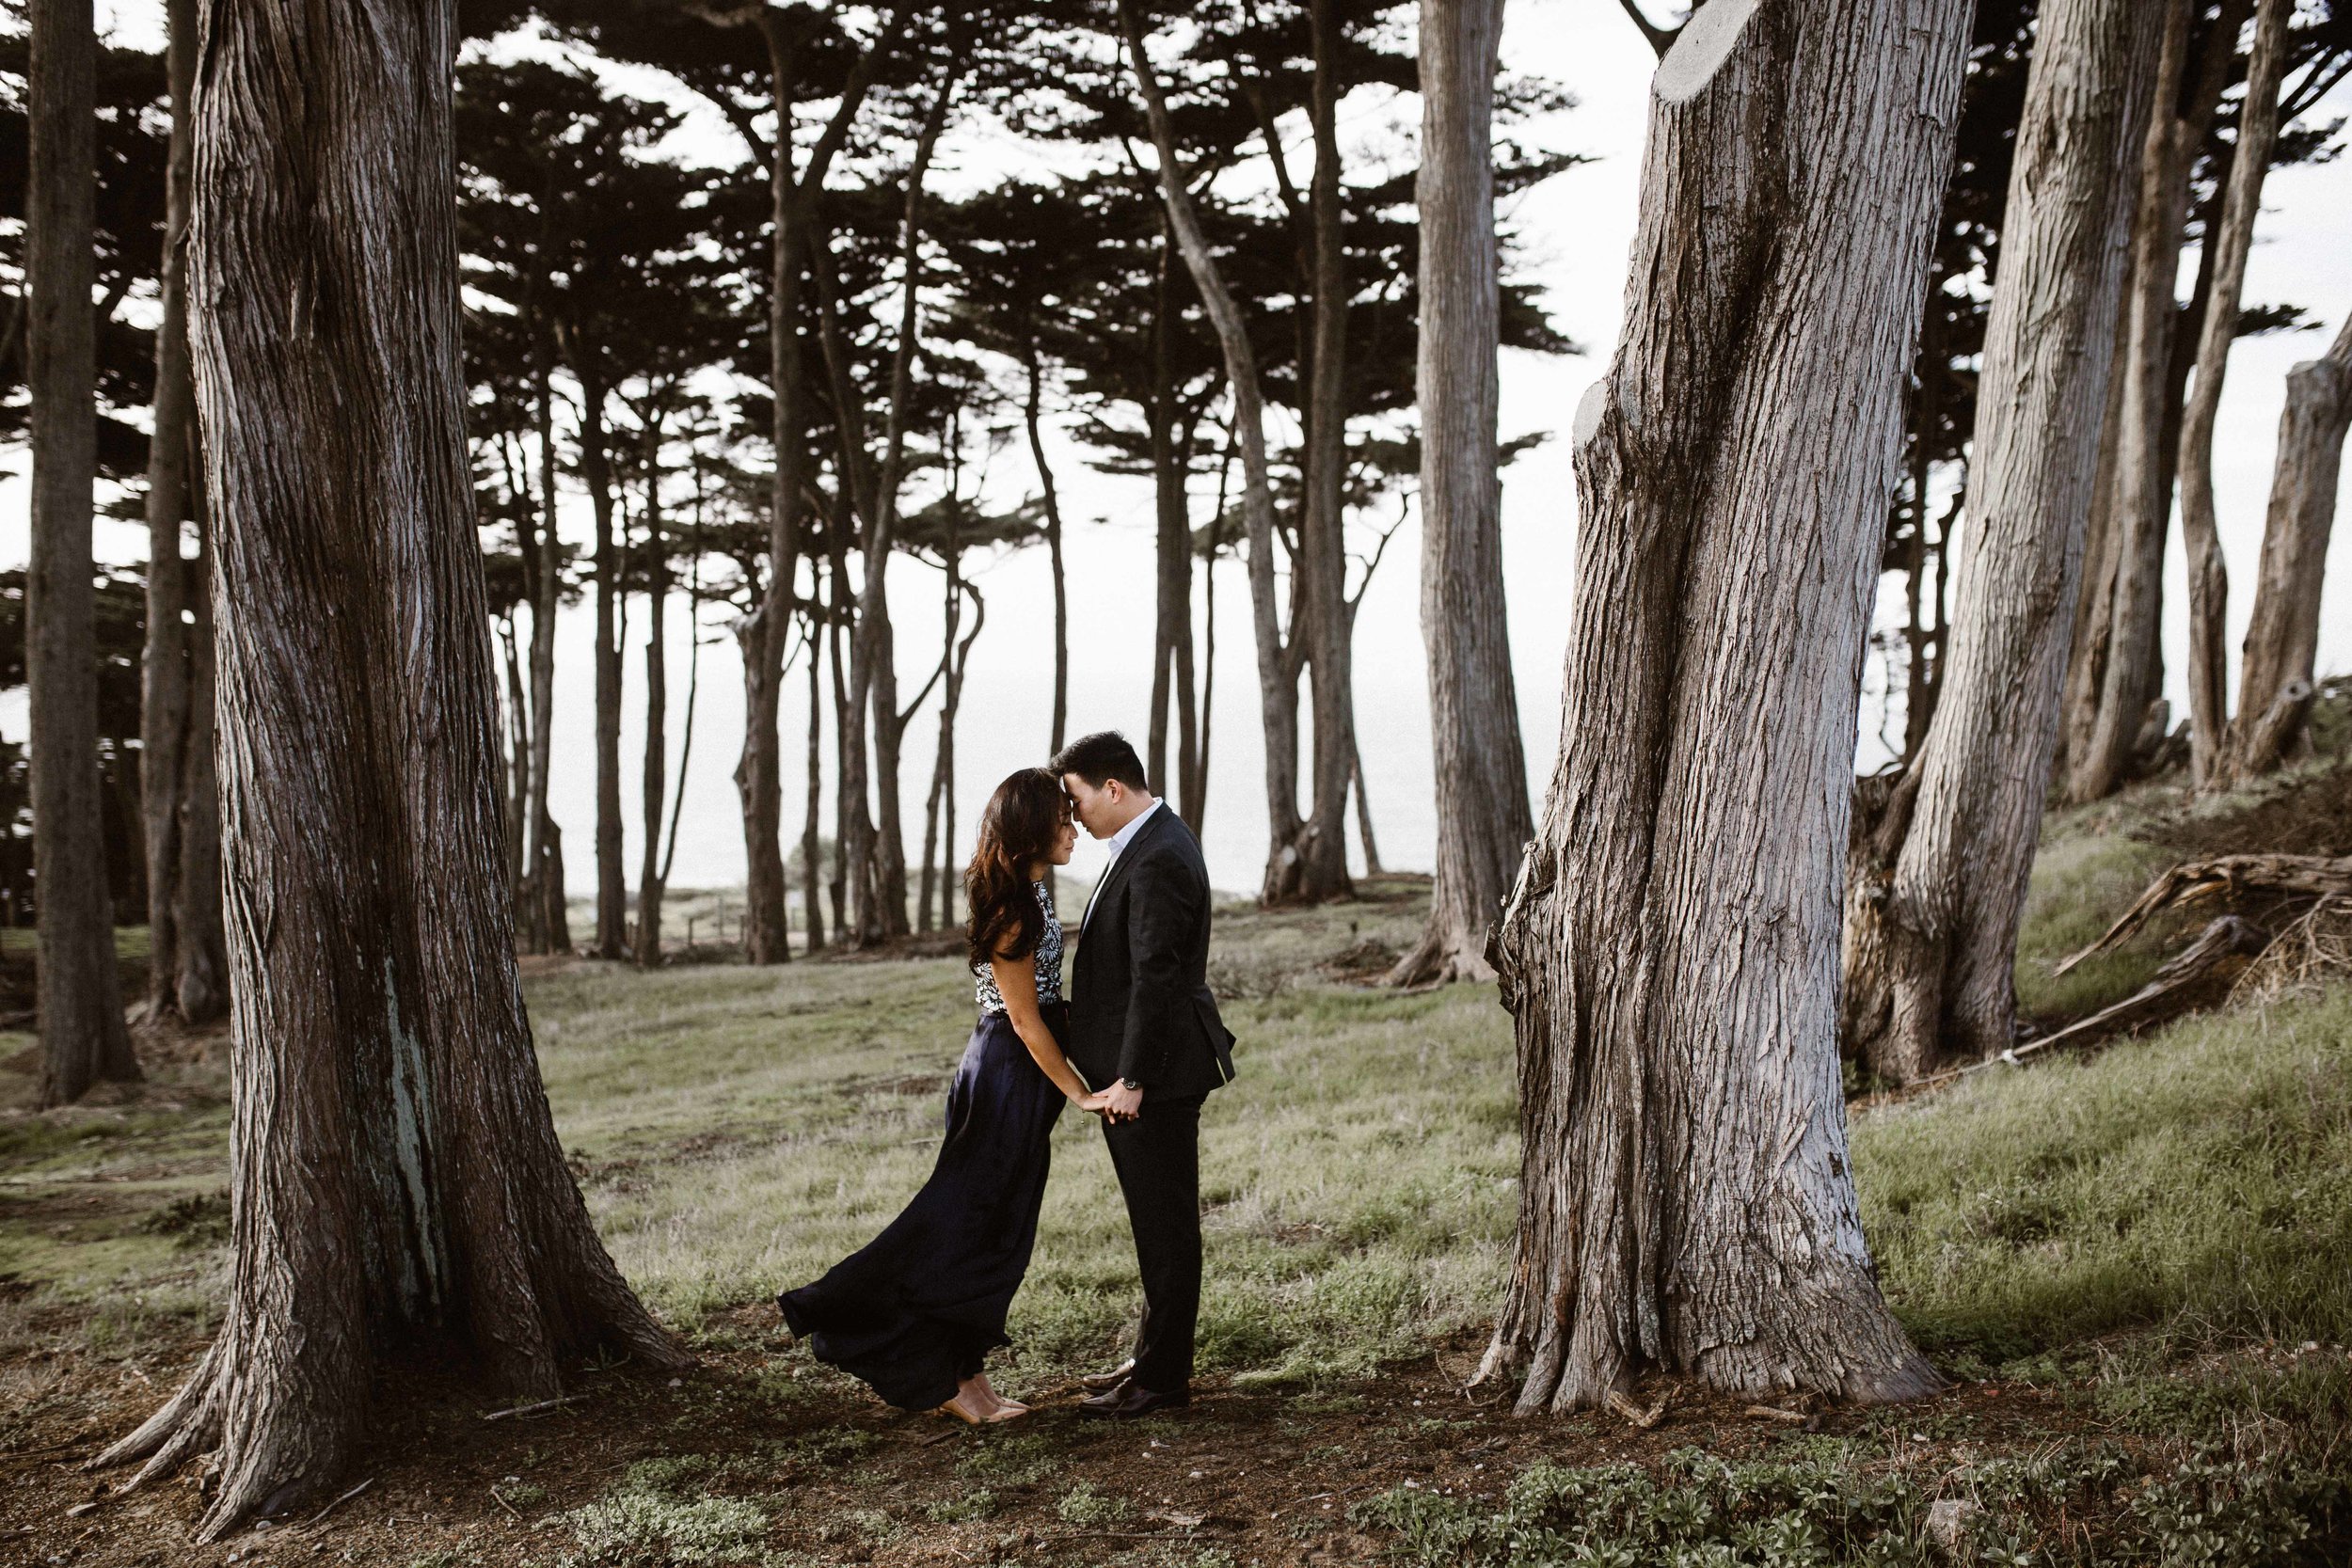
<point x="1129" y="1401"/>
<point x="1112" y="1379"/>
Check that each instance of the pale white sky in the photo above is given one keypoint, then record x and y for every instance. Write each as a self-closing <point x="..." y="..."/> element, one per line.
<point x="1574" y="233"/>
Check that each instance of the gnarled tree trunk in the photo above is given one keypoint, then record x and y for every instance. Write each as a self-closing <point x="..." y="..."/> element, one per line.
<point x="82" y="1034"/>
<point x="2094" y="593"/>
<point x="2100" y="761"/>
<point x="2225" y="249"/>
<point x="1931" y="926"/>
<point x="1484" y="820"/>
<point x="1670" y="950"/>
<point x="397" y="1181"/>
<point x="2282" y="637"/>
<point x="185" y="965"/>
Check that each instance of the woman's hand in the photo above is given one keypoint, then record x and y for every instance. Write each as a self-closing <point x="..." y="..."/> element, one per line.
<point x="1092" y="1105"/>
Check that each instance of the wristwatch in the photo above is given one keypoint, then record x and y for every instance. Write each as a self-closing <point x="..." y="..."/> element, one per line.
<point x="1131" y="1084"/>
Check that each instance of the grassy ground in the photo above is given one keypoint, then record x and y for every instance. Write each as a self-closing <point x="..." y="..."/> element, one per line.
<point x="2132" y="1266"/>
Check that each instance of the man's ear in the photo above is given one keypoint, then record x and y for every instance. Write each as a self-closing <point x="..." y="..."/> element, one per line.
<point x="1114" y="790"/>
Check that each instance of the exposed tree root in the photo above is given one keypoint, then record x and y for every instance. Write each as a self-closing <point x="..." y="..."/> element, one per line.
<point x="1440" y="958"/>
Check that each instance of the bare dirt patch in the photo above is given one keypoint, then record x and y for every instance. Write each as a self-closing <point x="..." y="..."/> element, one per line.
<point x="1265" y="1475"/>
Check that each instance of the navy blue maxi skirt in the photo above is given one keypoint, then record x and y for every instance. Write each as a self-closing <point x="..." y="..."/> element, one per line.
<point x="916" y="1311"/>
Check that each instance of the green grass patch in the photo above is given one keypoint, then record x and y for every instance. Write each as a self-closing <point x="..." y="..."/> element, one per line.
<point x="2197" y="1184"/>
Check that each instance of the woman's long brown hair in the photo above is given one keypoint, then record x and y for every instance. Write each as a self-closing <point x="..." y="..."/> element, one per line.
<point x="1018" y="830"/>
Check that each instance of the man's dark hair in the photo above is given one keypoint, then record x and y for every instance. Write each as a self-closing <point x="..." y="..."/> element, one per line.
<point x="1098" y="758"/>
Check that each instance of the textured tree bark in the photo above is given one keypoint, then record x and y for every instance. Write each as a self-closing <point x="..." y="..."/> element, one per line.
<point x="1323" y="544"/>
<point x="2282" y="644"/>
<point x="1484" y="820"/>
<point x="82" y="1034"/>
<point x="2095" y="596"/>
<point x="169" y="727"/>
<point x="1670" y="949"/>
<point x="654" y="782"/>
<point x="1931" y="926"/>
<point x="2225" y="249"/>
<point x="1278" y="704"/>
<point x="2100" y="761"/>
<point x="396" y="1179"/>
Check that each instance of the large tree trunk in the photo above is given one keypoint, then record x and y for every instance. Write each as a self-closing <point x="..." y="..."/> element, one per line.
<point x="398" y="1185"/>
<point x="82" y="1033"/>
<point x="1932" y="923"/>
<point x="2225" y="249"/>
<point x="2100" y="761"/>
<point x="168" y="725"/>
<point x="597" y="470"/>
<point x="1322" y="538"/>
<point x="1669" y="951"/>
<point x="655" y="783"/>
<point x="1278" y="696"/>
<point x="2276" y="668"/>
<point x="2094" y="594"/>
<point x="1484" y="820"/>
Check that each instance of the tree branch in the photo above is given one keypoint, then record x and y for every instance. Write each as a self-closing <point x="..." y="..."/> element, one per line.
<point x="1660" y="38"/>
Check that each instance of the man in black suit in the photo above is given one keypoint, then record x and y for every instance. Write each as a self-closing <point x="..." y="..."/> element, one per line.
<point x="1142" y="1023"/>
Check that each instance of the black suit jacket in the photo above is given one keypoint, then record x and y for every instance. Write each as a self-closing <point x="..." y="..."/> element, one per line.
<point x="1139" y="1002"/>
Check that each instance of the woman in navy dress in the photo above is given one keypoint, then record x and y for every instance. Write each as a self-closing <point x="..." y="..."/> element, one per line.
<point x="916" y="1311"/>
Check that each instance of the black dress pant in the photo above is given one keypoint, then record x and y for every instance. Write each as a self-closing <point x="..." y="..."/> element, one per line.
<point x="1157" y="1157"/>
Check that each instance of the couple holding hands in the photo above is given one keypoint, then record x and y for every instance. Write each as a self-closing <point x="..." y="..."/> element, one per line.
<point x="916" y="1312"/>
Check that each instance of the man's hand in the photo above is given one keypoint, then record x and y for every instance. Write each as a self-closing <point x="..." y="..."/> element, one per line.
<point x="1121" y="1104"/>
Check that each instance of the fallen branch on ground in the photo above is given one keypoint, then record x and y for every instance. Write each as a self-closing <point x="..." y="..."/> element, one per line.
<point x="2286" y="876"/>
<point x="2205" y="970"/>
<point x="533" y="1409"/>
<point x="339" y="1502"/>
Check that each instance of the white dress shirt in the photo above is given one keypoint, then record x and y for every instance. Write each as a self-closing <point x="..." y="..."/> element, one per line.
<point x="1119" y="842"/>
